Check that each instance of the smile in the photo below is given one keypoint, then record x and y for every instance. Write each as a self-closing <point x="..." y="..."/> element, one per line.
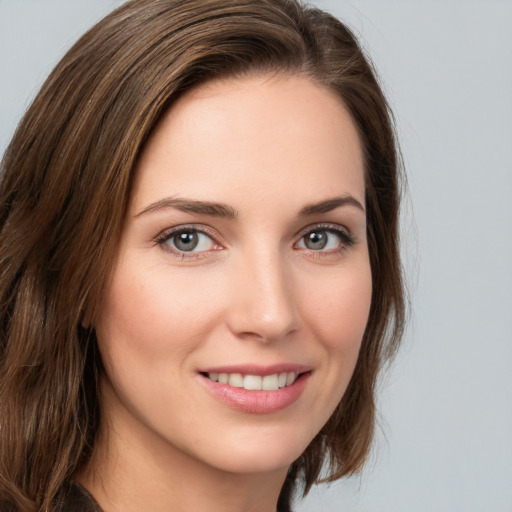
<point x="257" y="389"/>
<point x="255" y="382"/>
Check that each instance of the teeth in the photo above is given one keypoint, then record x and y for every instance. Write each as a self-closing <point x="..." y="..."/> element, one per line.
<point x="290" y="378"/>
<point x="252" y="382"/>
<point x="255" y="382"/>
<point x="270" y="382"/>
<point x="236" y="380"/>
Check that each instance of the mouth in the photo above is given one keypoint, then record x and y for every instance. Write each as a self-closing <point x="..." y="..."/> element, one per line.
<point x="257" y="389"/>
<point x="250" y="382"/>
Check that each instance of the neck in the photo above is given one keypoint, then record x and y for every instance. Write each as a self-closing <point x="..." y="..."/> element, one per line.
<point x="132" y="471"/>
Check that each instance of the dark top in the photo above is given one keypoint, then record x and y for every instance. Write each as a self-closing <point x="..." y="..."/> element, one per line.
<point x="75" y="498"/>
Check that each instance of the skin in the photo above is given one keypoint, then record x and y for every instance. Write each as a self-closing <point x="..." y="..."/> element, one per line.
<point x="253" y="291"/>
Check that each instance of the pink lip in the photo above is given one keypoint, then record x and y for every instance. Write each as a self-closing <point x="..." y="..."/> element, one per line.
<point x="257" y="402"/>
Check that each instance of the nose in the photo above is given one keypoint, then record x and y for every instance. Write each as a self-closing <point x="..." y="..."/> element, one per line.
<point x="263" y="305"/>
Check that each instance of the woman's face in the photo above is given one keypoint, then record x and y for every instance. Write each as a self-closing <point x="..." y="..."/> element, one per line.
<point x="243" y="265"/>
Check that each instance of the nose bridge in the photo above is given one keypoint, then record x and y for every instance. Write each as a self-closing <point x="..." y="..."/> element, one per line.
<point x="263" y="304"/>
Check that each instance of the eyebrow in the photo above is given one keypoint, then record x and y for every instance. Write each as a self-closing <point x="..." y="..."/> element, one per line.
<point x="191" y="206"/>
<point x="330" y="204"/>
<point x="226" y="211"/>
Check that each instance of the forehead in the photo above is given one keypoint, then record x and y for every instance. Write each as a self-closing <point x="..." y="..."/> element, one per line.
<point x="257" y="133"/>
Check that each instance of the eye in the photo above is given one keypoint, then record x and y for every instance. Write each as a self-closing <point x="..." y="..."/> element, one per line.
<point x="187" y="240"/>
<point x="326" y="239"/>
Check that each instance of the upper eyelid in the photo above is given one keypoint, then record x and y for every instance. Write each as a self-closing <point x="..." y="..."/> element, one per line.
<point x="200" y="228"/>
<point x="326" y="226"/>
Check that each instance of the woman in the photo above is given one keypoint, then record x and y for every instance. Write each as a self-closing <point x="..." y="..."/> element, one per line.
<point x="199" y="263"/>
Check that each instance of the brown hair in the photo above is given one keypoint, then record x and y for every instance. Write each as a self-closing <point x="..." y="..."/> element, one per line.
<point x="65" y="182"/>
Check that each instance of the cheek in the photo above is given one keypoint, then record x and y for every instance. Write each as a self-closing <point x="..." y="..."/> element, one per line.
<point x="338" y="314"/>
<point x="153" y="314"/>
<point x="150" y="323"/>
<point x="339" y="309"/>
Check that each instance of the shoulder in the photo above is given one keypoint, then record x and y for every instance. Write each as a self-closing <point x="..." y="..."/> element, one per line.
<point x="75" y="498"/>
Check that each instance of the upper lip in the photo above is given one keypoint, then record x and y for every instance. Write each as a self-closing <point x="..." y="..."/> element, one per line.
<point x="262" y="371"/>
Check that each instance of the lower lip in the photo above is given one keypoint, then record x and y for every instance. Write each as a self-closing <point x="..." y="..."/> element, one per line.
<point x="257" y="402"/>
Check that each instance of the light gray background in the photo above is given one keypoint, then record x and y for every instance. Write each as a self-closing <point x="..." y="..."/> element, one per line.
<point x="445" y="443"/>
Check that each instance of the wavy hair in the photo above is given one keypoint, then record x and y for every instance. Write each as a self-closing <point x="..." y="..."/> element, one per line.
<point x="65" y="182"/>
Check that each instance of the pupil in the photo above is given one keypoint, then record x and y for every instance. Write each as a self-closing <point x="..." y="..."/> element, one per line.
<point x="316" y="241"/>
<point x="186" y="241"/>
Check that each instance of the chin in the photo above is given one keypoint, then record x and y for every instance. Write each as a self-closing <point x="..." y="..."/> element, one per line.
<point x="262" y="452"/>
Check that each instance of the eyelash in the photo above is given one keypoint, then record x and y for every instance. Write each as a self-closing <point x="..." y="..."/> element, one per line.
<point x="346" y="240"/>
<point x="167" y="235"/>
